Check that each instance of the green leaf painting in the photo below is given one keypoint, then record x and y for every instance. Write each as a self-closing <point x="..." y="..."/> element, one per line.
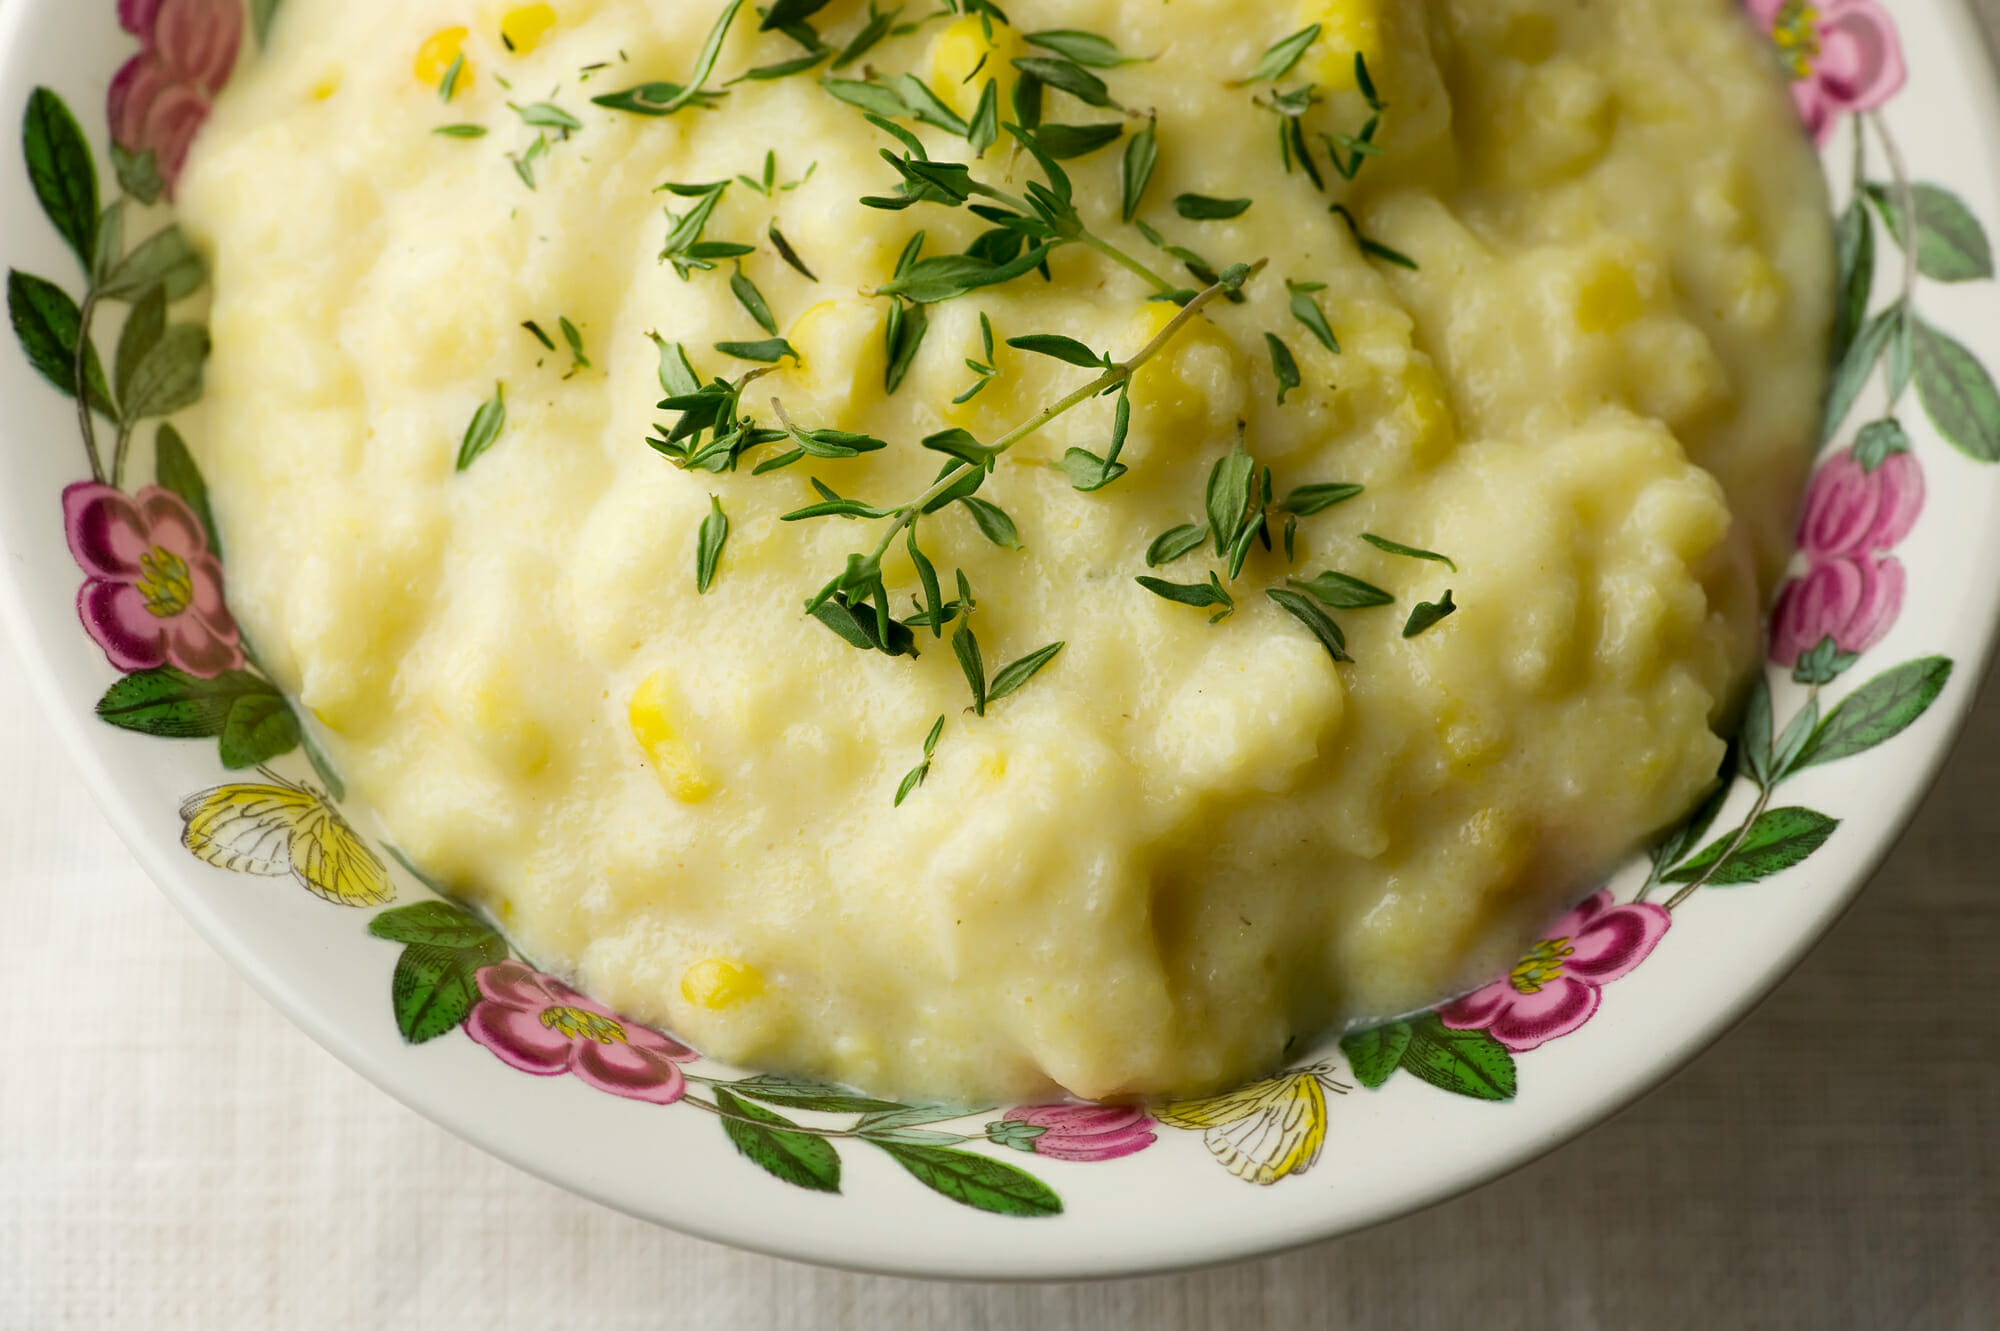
<point x="1779" y="839"/>
<point x="1957" y="392"/>
<point x="1951" y="244"/>
<point x="975" y="1180"/>
<point x="775" y="1145"/>
<point x="62" y="172"/>
<point x="1877" y="712"/>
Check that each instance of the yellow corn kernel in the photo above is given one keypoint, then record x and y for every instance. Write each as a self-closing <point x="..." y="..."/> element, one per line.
<point x="1347" y="28"/>
<point x="437" y="55"/>
<point x="962" y="59"/>
<point x="1609" y="300"/>
<point x="717" y="984"/>
<point x="651" y="714"/>
<point x="1197" y="375"/>
<point x="522" y="30"/>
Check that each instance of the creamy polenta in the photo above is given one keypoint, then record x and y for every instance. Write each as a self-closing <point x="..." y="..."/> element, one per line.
<point x="1547" y="281"/>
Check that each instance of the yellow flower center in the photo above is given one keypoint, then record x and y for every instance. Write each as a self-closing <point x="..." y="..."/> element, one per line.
<point x="1543" y="964"/>
<point x="1796" y="31"/>
<point x="577" y="1024"/>
<point x="165" y="582"/>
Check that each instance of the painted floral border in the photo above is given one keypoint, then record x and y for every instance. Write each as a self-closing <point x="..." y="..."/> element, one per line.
<point x="152" y="598"/>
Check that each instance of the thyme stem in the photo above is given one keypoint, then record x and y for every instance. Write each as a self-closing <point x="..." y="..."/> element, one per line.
<point x="1110" y="379"/>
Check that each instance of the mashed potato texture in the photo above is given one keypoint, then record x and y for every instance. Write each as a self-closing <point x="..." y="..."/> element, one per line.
<point x="1182" y="846"/>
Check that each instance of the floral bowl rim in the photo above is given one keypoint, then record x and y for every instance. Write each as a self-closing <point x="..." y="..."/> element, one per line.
<point x="1879" y="631"/>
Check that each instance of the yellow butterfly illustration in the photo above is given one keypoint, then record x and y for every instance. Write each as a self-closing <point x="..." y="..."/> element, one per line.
<point x="1267" y="1130"/>
<point x="280" y="829"/>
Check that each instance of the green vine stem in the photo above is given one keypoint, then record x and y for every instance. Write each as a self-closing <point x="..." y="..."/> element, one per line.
<point x="1906" y="204"/>
<point x="86" y="419"/>
<point x="788" y="1126"/>
<point x="1765" y="790"/>
<point x="118" y="454"/>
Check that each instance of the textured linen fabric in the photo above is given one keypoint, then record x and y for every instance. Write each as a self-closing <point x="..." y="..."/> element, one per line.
<point x="174" y="1155"/>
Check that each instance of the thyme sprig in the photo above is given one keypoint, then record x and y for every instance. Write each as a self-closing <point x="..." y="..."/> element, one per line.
<point x="855" y="604"/>
<point x="1028" y="227"/>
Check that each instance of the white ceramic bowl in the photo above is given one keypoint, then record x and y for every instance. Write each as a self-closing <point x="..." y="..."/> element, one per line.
<point x="419" y="997"/>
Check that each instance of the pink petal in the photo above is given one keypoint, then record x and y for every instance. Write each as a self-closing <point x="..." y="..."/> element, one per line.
<point x="106" y="533"/>
<point x="1860" y="62"/>
<point x="169" y="522"/>
<point x="1481" y="1007"/>
<point x="1535" y="1019"/>
<point x="115" y="613"/>
<point x="133" y="91"/>
<point x="1765" y="12"/>
<point x="136" y="17"/>
<point x="1581" y="916"/>
<point x="519" y="1039"/>
<point x="1616" y="941"/>
<point x="1853" y="601"/>
<point x="206" y="576"/>
<point x="654" y="1043"/>
<point x="623" y="1069"/>
<point x="1854" y="512"/>
<point x="198" y="649"/>
<point x="1881" y="601"/>
<point x="198" y="39"/>
<point x="1095" y="1146"/>
<point x="1817" y="111"/>
<point x="513" y="985"/>
<point x="171" y="122"/>
<point x="1903" y="495"/>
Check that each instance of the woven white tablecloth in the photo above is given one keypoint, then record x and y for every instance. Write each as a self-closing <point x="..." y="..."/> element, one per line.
<point x="174" y="1155"/>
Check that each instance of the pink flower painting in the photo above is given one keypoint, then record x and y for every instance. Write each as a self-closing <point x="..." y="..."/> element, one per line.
<point x="1852" y="511"/>
<point x="1557" y="986"/>
<point x="1853" y="600"/>
<point x="1844" y="56"/>
<point x="163" y="94"/>
<point x="1852" y="589"/>
<point x="540" y="1025"/>
<point x="1077" y="1132"/>
<point x="152" y="591"/>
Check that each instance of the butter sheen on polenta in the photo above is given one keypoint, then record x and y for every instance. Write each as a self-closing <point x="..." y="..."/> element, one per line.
<point x="1181" y="846"/>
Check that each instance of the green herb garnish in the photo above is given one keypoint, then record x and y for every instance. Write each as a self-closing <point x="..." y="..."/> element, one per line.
<point x="1201" y="208"/>
<point x="753" y="302"/>
<point x="1369" y="247"/>
<point x="1407" y="551"/>
<point x="768" y="352"/>
<point x="708" y="547"/>
<point x="1200" y="595"/>
<point x="1175" y="544"/>
<point x="922" y="770"/>
<point x="1282" y="56"/>
<point x="1338" y="591"/>
<point x="486" y="425"/>
<point x="1426" y="615"/>
<point x="1307" y="311"/>
<point x="787" y="253"/>
<point x="1284" y="365"/>
<point x="1304" y="609"/>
